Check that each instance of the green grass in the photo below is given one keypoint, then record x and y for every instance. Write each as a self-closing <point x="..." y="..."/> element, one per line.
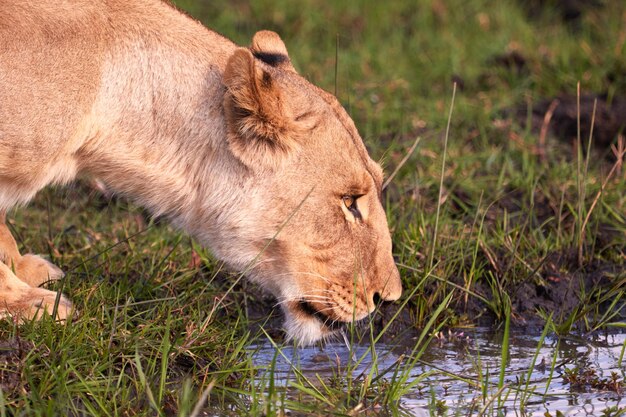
<point x="495" y="220"/>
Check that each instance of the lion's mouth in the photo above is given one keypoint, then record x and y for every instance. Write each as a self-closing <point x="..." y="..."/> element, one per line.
<point x="327" y="321"/>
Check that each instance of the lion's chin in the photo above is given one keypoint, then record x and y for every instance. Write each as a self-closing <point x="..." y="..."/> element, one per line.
<point x="306" y="329"/>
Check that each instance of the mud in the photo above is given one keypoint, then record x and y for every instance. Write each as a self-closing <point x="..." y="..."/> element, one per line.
<point x="608" y="122"/>
<point x="12" y="355"/>
<point x="570" y="11"/>
<point x="513" y="61"/>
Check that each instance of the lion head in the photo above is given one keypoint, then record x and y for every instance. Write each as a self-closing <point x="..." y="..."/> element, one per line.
<point x="319" y="227"/>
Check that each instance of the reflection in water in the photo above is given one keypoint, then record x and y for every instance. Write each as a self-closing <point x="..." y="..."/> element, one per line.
<point x="474" y="356"/>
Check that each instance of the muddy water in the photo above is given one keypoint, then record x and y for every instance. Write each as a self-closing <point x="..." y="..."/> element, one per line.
<point x="464" y="372"/>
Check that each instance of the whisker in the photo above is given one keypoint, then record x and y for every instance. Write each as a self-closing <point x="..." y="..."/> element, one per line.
<point x="278" y="303"/>
<point x="315" y="274"/>
<point x="312" y="293"/>
<point x="312" y="297"/>
<point x="332" y="308"/>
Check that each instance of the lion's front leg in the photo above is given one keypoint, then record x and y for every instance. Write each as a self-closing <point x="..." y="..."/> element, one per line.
<point x="19" y="299"/>
<point x="32" y="269"/>
<point x="19" y="278"/>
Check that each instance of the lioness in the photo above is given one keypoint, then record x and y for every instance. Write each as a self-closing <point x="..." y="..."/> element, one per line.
<point x="230" y="143"/>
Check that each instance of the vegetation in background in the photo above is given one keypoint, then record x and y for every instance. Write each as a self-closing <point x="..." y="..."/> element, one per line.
<point x="524" y="223"/>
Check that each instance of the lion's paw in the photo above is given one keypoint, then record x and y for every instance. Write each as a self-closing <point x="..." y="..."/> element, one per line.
<point x="38" y="301"/>
<point x="35" y="270"/>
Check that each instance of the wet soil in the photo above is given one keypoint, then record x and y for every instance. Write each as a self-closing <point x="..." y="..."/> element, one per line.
<point x="559" y="287"/>
<point x="12" y="355"/>
<point x="513" y="61"/>
<point x="560" y="115"/>
<point x="561" y="291"/>
<point x="608" y="122"/>
<point x="570" y="11"/>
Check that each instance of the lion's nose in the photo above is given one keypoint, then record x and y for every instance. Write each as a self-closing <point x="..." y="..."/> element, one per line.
<point x="376" y="298"/>
<point x="392" y="289"/>
<point x="389" y="289"/>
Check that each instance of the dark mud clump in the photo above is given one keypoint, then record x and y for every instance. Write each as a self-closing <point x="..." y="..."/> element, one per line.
<point x="563" y="113"/>
<point x="12" y="356"/>
<point x="559" y="287"/>
<point x="563" y="289"/>
<point x="512" y="61"/>
<point x="570" y="11"/>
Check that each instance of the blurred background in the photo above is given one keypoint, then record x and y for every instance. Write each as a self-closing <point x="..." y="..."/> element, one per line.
<point x="397" y="60"/>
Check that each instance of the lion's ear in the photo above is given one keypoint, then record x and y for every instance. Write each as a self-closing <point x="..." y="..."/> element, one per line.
<point x="269" y="48"/>
<point x="258" y="121"/>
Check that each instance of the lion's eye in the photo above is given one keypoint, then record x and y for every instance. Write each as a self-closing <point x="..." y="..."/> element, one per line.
<point x="350" y="202"/>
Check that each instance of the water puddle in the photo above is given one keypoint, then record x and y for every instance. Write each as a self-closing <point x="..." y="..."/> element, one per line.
<point x="576" y="376"/>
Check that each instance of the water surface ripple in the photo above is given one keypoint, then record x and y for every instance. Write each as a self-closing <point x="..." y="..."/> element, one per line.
<point x="465" y="369"/>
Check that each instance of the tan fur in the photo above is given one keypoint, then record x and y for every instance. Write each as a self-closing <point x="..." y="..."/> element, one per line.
<point x="230" y="143"/>
<point x="33" y="269"/>
<point x="20" y="296"/>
